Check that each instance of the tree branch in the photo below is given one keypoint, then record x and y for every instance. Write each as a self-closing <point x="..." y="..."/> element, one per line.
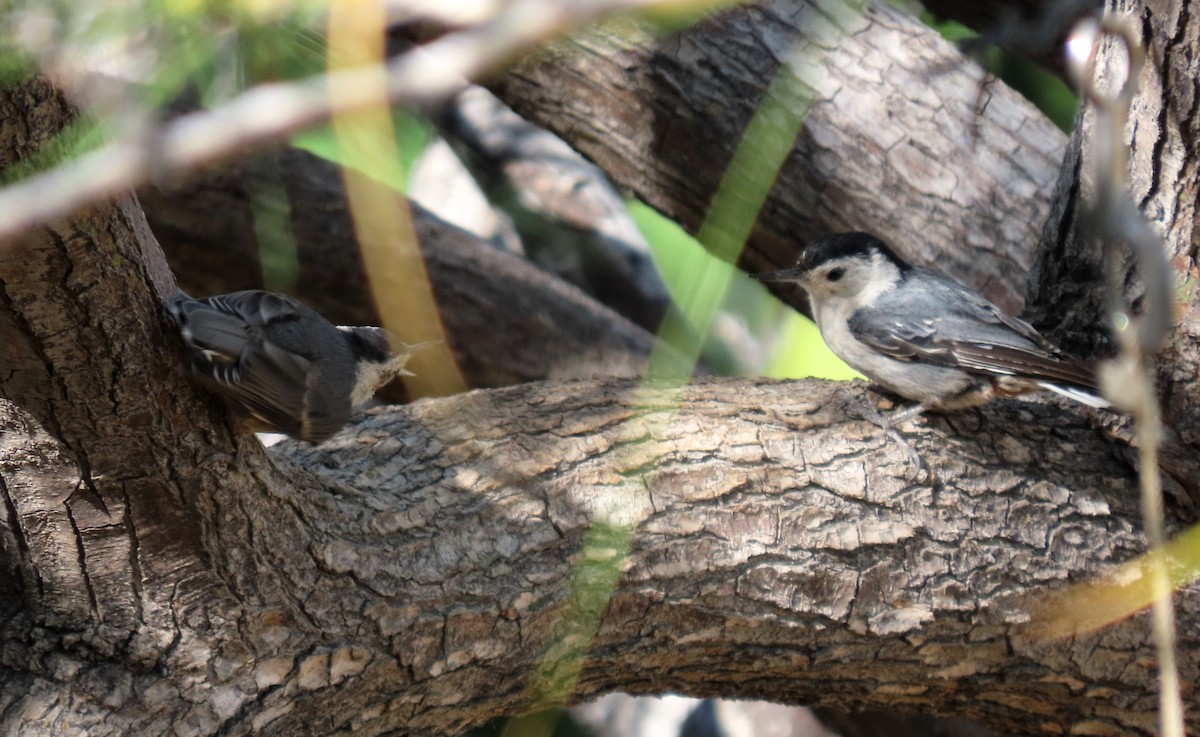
<point x="943" y="179"/>
<point x="777" y="545"/>
<point x="771" y="529"/>
<point x="570" y="220"/>
<point x="269" y="113"/>
<point x="507" y="320"/>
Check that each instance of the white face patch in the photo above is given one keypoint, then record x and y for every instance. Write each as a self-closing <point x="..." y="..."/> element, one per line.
<point x="371" y="376"/>
<point x="857" y="281"/>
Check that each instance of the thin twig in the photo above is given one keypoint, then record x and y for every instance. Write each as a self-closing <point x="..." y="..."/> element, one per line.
<point x="272" y="112"/>
<point x="1128" y="380"/>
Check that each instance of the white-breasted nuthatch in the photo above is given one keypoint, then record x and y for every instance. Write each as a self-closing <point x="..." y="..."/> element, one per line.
<point x="922" y="335"/>
<point x="283" y="363"/>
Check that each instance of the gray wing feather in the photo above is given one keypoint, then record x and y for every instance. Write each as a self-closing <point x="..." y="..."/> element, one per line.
<point x="270" y="389"/>
<point x="227" y="323"/>
<point x="250" y="348"/>
<point x="966" y="332"/>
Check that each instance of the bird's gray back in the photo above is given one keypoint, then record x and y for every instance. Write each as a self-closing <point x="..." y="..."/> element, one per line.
<point x="942" y="323"/>
<point x="959" y="314"/>
<point x="277" y="350"/>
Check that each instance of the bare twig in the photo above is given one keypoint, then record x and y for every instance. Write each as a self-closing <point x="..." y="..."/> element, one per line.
<point x="272" y="112"/>
<point x="1128" y="379"/>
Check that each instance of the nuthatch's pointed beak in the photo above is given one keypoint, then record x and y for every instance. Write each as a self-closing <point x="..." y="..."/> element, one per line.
<point x="794" y="274"/>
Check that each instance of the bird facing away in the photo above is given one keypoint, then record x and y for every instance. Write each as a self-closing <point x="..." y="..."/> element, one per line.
<point x="283" y="363"/>
<point x="922" y="335"/>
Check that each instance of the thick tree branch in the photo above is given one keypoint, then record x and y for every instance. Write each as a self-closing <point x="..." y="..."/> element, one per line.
<point x="507" y="320"/>
<point x="959" y="174"/>
<point x="767" y="517"/>
<point x="570" y="220"/>
<point x="778" y="545"/>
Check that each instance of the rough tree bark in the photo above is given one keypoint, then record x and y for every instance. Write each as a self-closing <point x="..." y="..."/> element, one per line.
<point x="411" y="576"/>
<point x="1164" y="172"/>
<point x="423" y="560"/>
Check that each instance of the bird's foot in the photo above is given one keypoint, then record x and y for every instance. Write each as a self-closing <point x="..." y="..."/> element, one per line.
<point x="888" y="424"/>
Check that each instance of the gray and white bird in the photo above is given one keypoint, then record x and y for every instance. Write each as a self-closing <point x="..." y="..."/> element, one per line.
<point x="283" y="363"/>
<point x="922" y="335"/>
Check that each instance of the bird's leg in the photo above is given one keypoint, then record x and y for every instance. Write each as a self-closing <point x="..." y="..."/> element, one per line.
<point x="972" y="397"/>
<point x="890" y="421"/>
<point x="908" y="413"/>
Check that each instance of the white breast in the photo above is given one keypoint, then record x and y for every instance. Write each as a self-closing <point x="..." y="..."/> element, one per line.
<point x="909" y="379"/>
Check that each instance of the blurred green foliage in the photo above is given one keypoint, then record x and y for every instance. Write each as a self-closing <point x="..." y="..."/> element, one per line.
<point x="412" y="134"/>
<point x="795" y="349"/>
<point x="1050" y="94"/>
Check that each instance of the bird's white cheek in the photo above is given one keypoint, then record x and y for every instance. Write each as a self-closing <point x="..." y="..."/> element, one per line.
<point x="815" y="291"/>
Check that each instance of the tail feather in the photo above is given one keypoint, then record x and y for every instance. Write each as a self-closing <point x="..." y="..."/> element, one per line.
<point x="1079" y="395"/>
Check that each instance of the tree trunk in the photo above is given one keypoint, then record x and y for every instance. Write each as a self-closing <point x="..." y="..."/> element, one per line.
<point x="774" y="545"/>
<point x="1164" y="169"/>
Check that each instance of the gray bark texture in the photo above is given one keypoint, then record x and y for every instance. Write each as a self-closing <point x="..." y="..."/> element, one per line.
<point x="437" y="566"/>
<point x="445" y="562"/>
<point x="570" y="221"/>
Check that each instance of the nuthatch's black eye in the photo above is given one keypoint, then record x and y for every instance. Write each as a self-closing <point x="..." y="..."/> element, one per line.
<point x="835" y="274"/>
